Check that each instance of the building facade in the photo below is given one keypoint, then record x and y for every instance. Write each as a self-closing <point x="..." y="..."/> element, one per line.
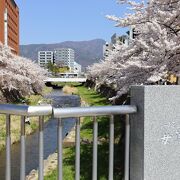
<point x="44" y="57"/>
<point x="9" y="24"/>
<point x="65" y="57"/>
<point x="106" y="48"/>
<point x="115" y="40"/>
<point x="77" y="68"/>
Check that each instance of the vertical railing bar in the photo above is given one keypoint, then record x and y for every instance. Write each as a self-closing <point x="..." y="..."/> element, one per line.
<point x="95" y="148"/>
<point x="23" y="152"/>
<point x="77" y="161"/>
<point x="127" y="136"/>
<point x="60" y="149"/>
<point x="41" y="147"/>
<point x="111" y="148"/>
<point x="8" y="147"/>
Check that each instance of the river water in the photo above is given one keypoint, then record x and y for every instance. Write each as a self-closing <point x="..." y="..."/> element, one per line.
<point x="50" y="138"/>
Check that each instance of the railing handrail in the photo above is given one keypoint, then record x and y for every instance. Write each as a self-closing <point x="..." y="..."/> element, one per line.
<point x="94" y="111"/>
<point x="43" y="110"/>
<point x="24" y="110"/>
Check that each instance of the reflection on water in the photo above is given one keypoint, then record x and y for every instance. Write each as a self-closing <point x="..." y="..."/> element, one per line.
<point x="50" y="138"/>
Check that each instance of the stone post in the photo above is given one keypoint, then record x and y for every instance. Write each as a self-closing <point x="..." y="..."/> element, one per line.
<point x="155" y="133"/>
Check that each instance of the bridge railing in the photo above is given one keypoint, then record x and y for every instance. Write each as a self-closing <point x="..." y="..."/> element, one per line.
<point x="60" y="113"/>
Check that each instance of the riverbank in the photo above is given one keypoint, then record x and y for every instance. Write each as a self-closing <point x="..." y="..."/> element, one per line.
<point x="15" y="120"/>
<point x="50" y="164"/>
<point x="92" y="98"/>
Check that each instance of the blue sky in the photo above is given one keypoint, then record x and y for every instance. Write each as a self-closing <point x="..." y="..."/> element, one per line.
<point x="53" y="21"/>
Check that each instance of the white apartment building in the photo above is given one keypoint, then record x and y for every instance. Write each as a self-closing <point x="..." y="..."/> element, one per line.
<point x="106" y="48"/>
<point x="65" y="57"/>
<point x="77" y="68"/>
<point x="44" y="57"/>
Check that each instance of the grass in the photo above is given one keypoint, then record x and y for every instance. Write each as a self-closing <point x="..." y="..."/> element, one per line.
<point x="34" y="99"/>
<point x="70" y="90"/>
<point x="68" y="171"/>
<point x="92" y="98"/>
<point x="15" y="121"/>
<point x="15" y="128"/>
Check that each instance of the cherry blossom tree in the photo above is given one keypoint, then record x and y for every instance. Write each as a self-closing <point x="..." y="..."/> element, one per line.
<point x="151" y="55"/>
<point x="18" y="76"/>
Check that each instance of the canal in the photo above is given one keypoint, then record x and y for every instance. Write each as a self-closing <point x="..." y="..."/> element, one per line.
<point x="50" y="137"/>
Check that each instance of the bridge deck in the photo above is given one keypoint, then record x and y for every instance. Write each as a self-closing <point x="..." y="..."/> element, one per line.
<point x="65" y="80"/>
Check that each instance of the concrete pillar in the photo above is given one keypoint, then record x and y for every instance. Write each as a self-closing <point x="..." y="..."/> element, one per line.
<point x="155" y="133"/>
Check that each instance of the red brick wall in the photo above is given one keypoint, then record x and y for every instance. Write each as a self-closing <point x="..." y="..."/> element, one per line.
<point x="2" y="5"/>
<point x="13" y="24"/>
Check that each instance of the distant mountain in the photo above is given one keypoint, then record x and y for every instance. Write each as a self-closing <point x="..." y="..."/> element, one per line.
<point x="86" y="52"/>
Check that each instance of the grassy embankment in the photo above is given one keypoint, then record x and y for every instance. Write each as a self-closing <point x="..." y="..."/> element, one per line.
<point x="92" y="98"/>
<point x="15" y="120"/>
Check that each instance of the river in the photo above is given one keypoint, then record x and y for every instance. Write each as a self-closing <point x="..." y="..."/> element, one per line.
<point x="50" y="138"/>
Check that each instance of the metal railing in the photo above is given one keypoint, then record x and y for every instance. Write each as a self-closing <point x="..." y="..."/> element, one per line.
<point x="60" y="113"/>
